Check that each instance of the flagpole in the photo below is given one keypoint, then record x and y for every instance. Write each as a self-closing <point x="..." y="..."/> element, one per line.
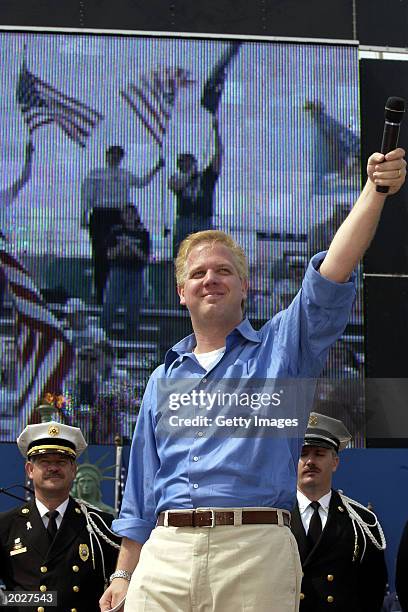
<point x="118" y="470"/>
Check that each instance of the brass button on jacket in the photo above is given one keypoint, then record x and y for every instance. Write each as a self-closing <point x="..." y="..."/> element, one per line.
<point x="330" y="599"/>
<point x="43" y="588"/>
<point x="43" y="569"/>
<point x="330" y="577"/>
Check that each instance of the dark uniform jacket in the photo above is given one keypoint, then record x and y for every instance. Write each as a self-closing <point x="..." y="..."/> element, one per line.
<point x="334" y="576"/>
<point x="28" y="562"/>
<point x="401" y="577"/>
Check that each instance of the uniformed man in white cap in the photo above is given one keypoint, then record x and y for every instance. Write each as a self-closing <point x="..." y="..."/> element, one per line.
<point x="53" y="543"/>
<point x="341" y="543"/>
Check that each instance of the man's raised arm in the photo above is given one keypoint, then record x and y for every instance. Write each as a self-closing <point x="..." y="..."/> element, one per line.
<point x="355" y="234"/>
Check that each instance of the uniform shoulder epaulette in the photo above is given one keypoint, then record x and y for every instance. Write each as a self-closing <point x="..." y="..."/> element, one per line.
<point x="81" y="502"/>
<point x="366" y="522"/>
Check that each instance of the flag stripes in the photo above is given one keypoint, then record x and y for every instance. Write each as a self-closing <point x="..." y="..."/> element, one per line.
<point x="42" y="104"/>
<point x="45" y="354"/>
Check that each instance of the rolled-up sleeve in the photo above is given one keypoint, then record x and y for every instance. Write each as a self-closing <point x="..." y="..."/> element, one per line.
<point x="315" y="319"/>
<point x="137" y="516"/>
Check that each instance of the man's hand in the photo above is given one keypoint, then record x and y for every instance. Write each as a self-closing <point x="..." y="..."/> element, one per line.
<point x="114" y="594"/>
<point x="84" y="221"/>
<point x="29" y="150"/>
<point x="388" y="170"/>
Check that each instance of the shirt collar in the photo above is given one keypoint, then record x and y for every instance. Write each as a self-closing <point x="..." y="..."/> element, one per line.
<point x="304" y="502"/>
<point x="186" y="346"/>
<point x="43" y="509"/>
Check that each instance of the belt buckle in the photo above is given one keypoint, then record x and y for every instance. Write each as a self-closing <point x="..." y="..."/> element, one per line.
<point x="212" y="511"/>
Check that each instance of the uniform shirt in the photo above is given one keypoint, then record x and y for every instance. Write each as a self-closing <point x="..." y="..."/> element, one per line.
<point x="306" y="510"/>
<point x="43" y="510"/>
<point x="196" y="198"/>
<point x="170" y="472"/>
<point x="107" y="188"/>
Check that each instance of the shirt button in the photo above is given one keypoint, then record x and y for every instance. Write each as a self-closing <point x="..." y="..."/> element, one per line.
<point x="195" y="486"/>
<point x="200" y="434"/>
<point x="195" y="458"/>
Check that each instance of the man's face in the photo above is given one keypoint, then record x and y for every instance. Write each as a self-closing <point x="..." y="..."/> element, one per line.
<point x="113" y="158"/>
<point x="52" y="474"/>
<point x="187" y="164"/>
<point x="213" y="287"/>
<point x="315" y="469"/>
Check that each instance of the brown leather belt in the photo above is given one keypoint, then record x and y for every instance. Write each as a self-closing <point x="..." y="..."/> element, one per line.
<point x="211" y="518"/>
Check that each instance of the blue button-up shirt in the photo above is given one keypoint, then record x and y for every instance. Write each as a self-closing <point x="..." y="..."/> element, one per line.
<point x="176" y="472"/>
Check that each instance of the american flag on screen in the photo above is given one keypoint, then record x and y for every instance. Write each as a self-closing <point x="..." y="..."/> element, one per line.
<point x="45" y="354"/>
<point x="42" y="104"/>
<point x="153" y="98"/>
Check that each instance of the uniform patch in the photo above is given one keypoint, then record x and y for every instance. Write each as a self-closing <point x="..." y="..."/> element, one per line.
<point x="18" y="548"/>
<point x="84" y="552"/>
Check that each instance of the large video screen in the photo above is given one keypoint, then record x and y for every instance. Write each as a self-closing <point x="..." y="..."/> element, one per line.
<point x="113" y="149"/>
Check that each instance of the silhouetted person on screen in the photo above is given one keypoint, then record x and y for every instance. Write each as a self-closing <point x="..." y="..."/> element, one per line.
<point x="105" y="192"/>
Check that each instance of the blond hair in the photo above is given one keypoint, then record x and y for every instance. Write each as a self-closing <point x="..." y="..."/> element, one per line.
<point x="210" y="237"/>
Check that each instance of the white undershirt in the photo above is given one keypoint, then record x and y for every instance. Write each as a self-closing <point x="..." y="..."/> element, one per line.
<point x="208" y="360"/>
<point x="306" y="509"/>
<point x="43" y="510"/>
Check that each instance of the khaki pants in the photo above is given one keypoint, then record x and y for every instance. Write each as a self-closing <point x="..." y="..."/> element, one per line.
<point x="247" y="568"/>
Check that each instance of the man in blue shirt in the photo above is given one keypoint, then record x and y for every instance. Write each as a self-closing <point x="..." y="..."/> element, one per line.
<point x="186" y="474"/>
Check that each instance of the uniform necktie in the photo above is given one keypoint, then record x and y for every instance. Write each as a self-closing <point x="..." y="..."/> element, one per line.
<point x="52" y="524"/>
<point x="315" y="525"/>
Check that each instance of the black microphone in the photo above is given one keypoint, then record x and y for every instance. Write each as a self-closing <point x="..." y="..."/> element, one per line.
<point x="394" y="114"/>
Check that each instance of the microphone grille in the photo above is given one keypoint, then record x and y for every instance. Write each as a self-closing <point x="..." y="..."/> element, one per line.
<point x="394" y="109"/>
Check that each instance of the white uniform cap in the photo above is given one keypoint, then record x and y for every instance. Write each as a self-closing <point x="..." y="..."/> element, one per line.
<point x="51" y="437"/>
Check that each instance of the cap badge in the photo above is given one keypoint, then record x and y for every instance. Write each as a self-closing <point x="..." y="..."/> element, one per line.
<point x="53" y="430"/>
<point x="313" y="420"/>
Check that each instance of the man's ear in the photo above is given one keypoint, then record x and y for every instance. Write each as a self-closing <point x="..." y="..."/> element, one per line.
<point x="245" y="288"/>
<point x="180" y="291"/>
<point x="28" y="469"/>
<point x="336" y="461"/>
